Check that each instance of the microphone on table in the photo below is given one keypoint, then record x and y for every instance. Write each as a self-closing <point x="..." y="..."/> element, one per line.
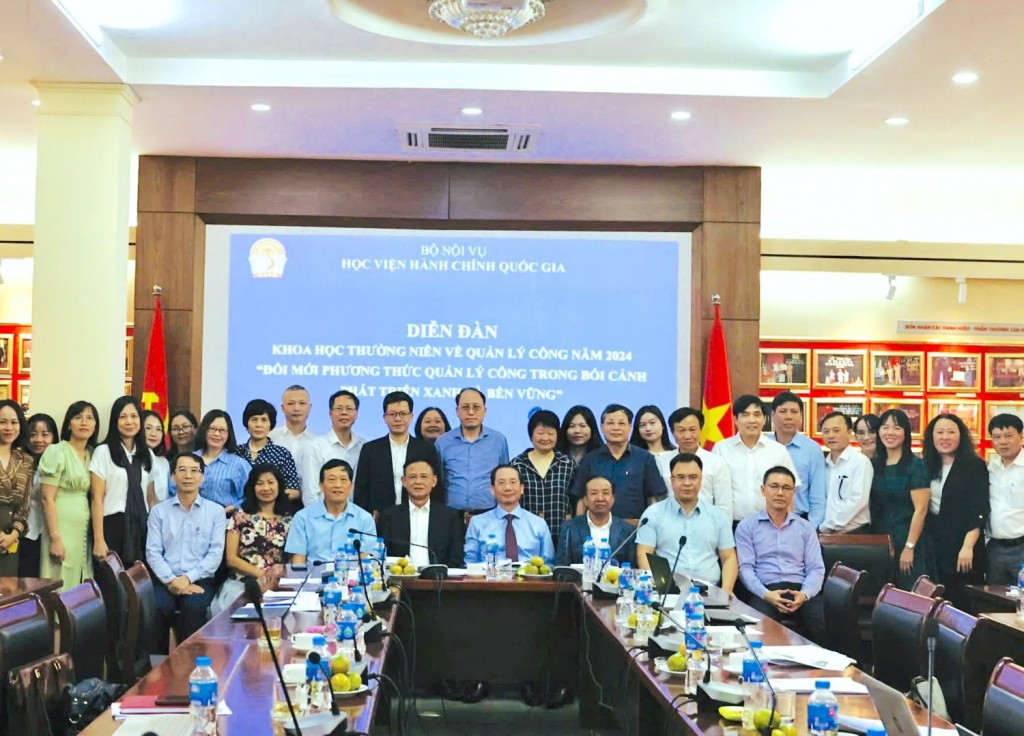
<point x="255" y="594"/>
<point x="686" y="637"/>
<point x="741" y="624"/>
<point x="931" y="632"/>
<point x="317" y="661"/>
<point x="618" y="549"/>
<point x="391" y="540"/>
<point x="668" y="585"/>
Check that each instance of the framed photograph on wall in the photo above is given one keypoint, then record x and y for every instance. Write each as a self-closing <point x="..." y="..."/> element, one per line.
<point x="784" y="368"/>
<point x="913" y="408"/>
<point x="6" y="354"/>
<point x="129" y="345"/>
<point x="768" y="412"/>
<point x="23" y="394"/>
<point x="1002" y="407"/>
<point x="25" y="354"/>
<point x="969" y="410"/>
<point x="1004" y="372"/>
<point x="897" y="371"/>
<point x="127" y="388"/>
<point x="954" y="372"/>
<point x="839" y="368"/>
<point x="5" y="390"/>
<point x="851" y="407"/>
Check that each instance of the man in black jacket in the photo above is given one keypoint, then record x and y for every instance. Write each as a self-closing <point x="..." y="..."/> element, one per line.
<point x="436" y="528"/>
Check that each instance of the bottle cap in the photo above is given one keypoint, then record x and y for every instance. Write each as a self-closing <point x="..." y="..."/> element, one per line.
<point x="695" y="589"/>
<point x="357" y="589"/>
<point x="203" y="661"/>
<point x="319" y="641"/>
<point x="591" y="539"/>
<point x="626" y="566"/>
<point x="876" y="731"/>
<point x="822" y="685"/>
<point x="332" y="579"/>
<point x="756" y="644"/>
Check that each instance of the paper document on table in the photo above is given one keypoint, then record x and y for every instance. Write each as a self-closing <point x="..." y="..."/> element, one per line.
<point x="807" y="655"/>
<point x="862" y="725"/>
<point x="295" y="581"/>
<point x="306" y="600"/>
<point x="170" y="712"/>
<point x="842" y="685"/>
<point x="273" y="595"/>
<point x="176" y="725"/>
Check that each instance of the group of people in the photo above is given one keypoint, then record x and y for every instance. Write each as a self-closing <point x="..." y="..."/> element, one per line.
<point x="202" y="510"/>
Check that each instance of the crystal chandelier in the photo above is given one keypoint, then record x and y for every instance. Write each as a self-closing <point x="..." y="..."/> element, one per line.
<point x="487" y="18"/>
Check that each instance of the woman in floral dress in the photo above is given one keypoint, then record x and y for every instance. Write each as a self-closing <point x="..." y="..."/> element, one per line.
<point x="256" y="533"/>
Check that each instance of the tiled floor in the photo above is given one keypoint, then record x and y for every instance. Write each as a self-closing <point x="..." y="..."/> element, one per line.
<point x="490" y="717"/>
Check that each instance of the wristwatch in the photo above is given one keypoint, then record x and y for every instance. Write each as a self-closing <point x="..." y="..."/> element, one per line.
<point x="910" y="545"/>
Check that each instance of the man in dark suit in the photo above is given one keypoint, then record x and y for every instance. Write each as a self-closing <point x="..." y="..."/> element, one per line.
<point x="422" y="521"/>
<point x="597" y="522"/>
<point x="381" y="462"/>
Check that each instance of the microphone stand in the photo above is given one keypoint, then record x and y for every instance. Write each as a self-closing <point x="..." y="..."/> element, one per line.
<point x="687" y="638"/>
<point x="288" y="608"/>
<point x="931" y="628"/>
<point x="664" y="596"/>
<point x="368" y="616"/>
<point x="741" y="625"/>
<point x="618" y="549"/>
<point x="253" y="592"/>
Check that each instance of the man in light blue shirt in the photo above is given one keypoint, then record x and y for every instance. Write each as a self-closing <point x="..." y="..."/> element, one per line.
<point x="808" y="457"/>
<point x="317" y="531"/>
<point x="509" y="522"/>
<point x="469" y="453"/>
<point x="709" y="552"/>
<point x="184" y="548"/>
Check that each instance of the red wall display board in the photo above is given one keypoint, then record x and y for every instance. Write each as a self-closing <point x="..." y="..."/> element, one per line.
<point x="975" y="382"/>
<point x="16" y="363"/>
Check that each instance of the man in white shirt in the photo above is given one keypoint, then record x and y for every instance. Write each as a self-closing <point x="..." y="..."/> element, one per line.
<point x="848" y="476"/>
<point x="340" y="443"/>
<point x="748" y="455"/>
<point x="716" y="486"/>
<point x="426" y="531"/>
<point x="1006" y="498"/>
<point x="294" y="435"/>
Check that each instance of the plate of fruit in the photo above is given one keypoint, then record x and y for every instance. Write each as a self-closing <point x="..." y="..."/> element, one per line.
<point x="674" y="665"/>
<point x="403" y="569"/>
<point x="631" y="622"/>
<point x="534" y="569"/>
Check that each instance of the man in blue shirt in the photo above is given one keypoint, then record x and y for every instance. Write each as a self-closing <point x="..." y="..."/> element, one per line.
<point x="780" y="557"/>
<point x="632" y="470"/>
<point x="709" y="552"/>
<point x="319" y="530"/>
<point x="469" y="453"/>
<point x="184" y="547"/>
<point x="807" y="455"/>
<point x="520" y="534"/>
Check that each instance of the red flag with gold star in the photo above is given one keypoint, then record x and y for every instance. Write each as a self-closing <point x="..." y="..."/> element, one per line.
<point x="717" y="406"/>
<point x="154" y="382"/>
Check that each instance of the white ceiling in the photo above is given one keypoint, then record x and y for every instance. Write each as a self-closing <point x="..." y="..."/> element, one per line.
<point x="767" y="83"/>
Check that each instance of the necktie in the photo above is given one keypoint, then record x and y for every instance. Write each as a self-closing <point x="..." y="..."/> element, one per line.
<point x="511" y="546"/>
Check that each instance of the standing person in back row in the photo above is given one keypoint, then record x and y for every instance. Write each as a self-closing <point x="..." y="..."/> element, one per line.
<point x="340" y="443"/>
<point x="468" y="455"/>
<point x="787" y="421"/>
<point x="1005" y="550"/>
<point x="295" y="435"/>
<point x="632" y="470"/>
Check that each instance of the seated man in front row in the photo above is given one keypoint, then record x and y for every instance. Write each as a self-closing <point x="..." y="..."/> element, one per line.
<point x="184" y="547"/>
<point x="780" y="557"/>
<point x="596" y="523"/>
<point x="317" y="531"/>
<point x="520" y="534"/>
<point x="434" y="530"/>
<point x="709" y="552"/>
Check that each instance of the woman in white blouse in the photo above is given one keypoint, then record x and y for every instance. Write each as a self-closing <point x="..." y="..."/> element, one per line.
<point x="153" y="426"/>
<point x="650" y="432"/>
<point x="120" y="482"/>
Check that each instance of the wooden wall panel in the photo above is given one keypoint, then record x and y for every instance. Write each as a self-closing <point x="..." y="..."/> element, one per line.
<point x="167" y="184"/>
<point x="167" y="238"/>
<point x="574" y="194"/>
<point x="732" y="269"/>
<point x="732" y="194"/>
<point x="313" y="188"/>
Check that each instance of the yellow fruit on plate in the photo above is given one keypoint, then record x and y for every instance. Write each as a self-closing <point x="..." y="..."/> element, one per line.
<point x="731" y="712"/>
<point x="761" y="719"/>
<point x="682" y="648"/>
<point x="355" y="681"/>
<point x="536" y="561"/>
<point x="402" y="561"/>
<point x="340" y="683"/>
<point x="530" y="569"/>
<point x="611" y="575"/>
<point x="409" y="570"/>
<point x="787" y="730"/>
<point x="544" y="570"/>
<point x="396" y="569"/>
<point x="631" y="621"/>
<point x="677" y="663"/>
<point x="339" y="665"/>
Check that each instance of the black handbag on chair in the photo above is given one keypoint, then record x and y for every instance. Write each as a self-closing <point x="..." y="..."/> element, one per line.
<point x="83" y="702"/>
<point x="34" y="696"/>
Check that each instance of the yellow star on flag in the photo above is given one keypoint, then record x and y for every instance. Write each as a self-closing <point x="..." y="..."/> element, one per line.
<point x="711" y="432"/>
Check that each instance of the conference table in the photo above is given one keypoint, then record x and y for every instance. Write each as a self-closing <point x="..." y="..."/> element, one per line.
<point x="986" y="598"/>
<point x="15" y="590"/>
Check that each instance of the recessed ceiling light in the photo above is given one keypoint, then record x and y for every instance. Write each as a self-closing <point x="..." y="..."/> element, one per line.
<point x="37" y="102"/>
<point x="896" y="121"/>
<point x="472" y="111"/>
<point x="680" y="115"/>
<point x="259" y="107"/>
<point x="965" y="78"/>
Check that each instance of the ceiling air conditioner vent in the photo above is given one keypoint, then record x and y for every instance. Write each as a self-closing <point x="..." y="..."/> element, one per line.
<point x="455" y="138"/>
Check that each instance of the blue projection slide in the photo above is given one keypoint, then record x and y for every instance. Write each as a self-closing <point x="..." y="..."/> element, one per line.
<point x="534" y="320"/>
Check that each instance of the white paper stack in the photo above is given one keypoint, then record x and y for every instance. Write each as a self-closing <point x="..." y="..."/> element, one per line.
<point x="807" y="655"/>
<point x="863" y="724"/>
<point x="840" y="685"/>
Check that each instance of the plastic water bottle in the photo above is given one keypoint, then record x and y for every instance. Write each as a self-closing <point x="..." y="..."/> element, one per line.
<point x="331" y="608"/>
<point x="604" y="556"/>
<point x="1020" y="593"/>
<point x="359" y="601"/>
<point x="693" y="604"/>
<point x="753" y="684"/>
<point x="696" y="642"/>
<point x="644" y="612"/>
<point x="319" y="689"/>
<point x="382" y="550"/>
<point x="341" y="565"/>
<point x="822" y="711"/>
<point x="624" y="603"/>
<point x="202" y="697"/>
<point x="348" y="623"/>
<point x="589" y="563"/>
<point x="491" y="557"/>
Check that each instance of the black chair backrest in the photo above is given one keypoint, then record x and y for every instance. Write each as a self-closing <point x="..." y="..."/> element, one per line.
<point x="25" y="636"/>
<point x="140" y="625"/>
<point x="872" y="553"/>
<point x="929" y="589"/>
<point x="954" y="630"/>
<point x="82" y="618"/>
<point x="1003" y="712"/>
<point x="106" y="573"/>
<point x="841" y="596"/>
<point x="897" y="633"/>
